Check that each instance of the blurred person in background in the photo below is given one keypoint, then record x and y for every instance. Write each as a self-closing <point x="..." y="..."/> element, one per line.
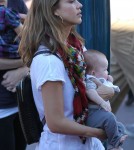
<point x="122" y="48"/>
<point x="11" y="71"/>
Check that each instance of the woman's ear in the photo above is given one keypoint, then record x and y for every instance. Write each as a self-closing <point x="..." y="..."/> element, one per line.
<point x="56" y="13"/>
<point x="93" y="72"/>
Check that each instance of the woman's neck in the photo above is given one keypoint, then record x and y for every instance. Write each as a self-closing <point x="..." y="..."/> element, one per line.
<point x="66" y="33"/>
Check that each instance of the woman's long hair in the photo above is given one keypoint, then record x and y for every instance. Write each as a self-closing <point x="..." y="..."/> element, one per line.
<point x="42" y="27"/>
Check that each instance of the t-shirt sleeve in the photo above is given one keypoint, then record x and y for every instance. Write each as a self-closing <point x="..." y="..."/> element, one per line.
<point x="12" y="18"/>
<point x="48" y="68"/>
<point x="90" y="84"/>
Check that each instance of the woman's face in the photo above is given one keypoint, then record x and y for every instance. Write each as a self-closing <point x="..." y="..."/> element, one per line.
<point x="69" y="11"/>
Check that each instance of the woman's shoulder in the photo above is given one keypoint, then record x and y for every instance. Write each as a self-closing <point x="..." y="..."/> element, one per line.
<point x="46" y="67"/>
<point x="45" y="51"/>
<point x="44" y="57"/>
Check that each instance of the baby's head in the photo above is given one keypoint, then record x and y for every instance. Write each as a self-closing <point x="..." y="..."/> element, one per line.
<point x="97" y="63"/>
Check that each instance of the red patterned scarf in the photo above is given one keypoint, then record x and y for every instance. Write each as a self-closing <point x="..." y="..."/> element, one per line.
<point x="76" y="66"/>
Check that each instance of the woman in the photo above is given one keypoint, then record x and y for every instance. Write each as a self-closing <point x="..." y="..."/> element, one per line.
<point x="58" y="83"/>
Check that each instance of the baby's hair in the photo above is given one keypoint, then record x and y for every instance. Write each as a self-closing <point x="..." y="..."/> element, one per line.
<point x="92" y="57"/>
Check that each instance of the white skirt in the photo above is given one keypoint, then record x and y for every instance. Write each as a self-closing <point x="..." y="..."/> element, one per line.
<point x="53" y="141"/>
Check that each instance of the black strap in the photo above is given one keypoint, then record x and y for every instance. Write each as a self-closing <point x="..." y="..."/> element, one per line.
<point x="46" y="52"/>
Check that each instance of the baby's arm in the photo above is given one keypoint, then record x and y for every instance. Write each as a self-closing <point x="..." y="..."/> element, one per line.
<point x="93" y="96"/>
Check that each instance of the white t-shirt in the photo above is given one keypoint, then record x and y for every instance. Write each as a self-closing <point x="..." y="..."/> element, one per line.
<point x="91" y="85"/>
<point x="49" y="67"/>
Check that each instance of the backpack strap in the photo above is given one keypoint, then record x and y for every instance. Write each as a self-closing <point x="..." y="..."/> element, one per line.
<point x="46" y="52"/>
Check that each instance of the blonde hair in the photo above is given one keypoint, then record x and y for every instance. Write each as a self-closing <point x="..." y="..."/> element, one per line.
<point x="92" y="58"/>
<point x="42" y="26"/>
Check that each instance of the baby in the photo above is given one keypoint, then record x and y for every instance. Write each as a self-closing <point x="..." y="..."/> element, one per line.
<point x="100" y="114"/>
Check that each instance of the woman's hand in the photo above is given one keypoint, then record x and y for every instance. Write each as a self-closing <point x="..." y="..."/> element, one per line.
<point x="12" y="77"/>
<point x="22" y="17"/>
<point x="104" y="91"/>
<point x="102" y="134"/>
<point x="106" y="105"/>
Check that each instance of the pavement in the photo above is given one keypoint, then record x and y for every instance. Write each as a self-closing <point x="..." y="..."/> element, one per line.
<point x="125" y="114"/>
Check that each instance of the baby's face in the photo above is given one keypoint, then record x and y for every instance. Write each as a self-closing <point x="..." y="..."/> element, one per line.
<point x="101" y="68"/>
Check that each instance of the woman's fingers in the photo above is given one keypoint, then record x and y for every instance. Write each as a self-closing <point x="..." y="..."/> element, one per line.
<point x="11" y="89"/>
<point x="105" y="92"/>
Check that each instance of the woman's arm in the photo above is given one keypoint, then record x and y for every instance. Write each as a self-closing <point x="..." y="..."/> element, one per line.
<point x="95" y="97"/>
<point x="104" y="91"/>
<point x="10" y="63"/>
<point x="54" y="112"/>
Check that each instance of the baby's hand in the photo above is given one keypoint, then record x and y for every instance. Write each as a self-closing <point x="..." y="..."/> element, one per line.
<point x="106" y="106"/>
<point x="110" y="78"/>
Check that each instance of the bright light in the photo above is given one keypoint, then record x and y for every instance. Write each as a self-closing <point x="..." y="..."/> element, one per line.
<point x="122" y="9"/>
